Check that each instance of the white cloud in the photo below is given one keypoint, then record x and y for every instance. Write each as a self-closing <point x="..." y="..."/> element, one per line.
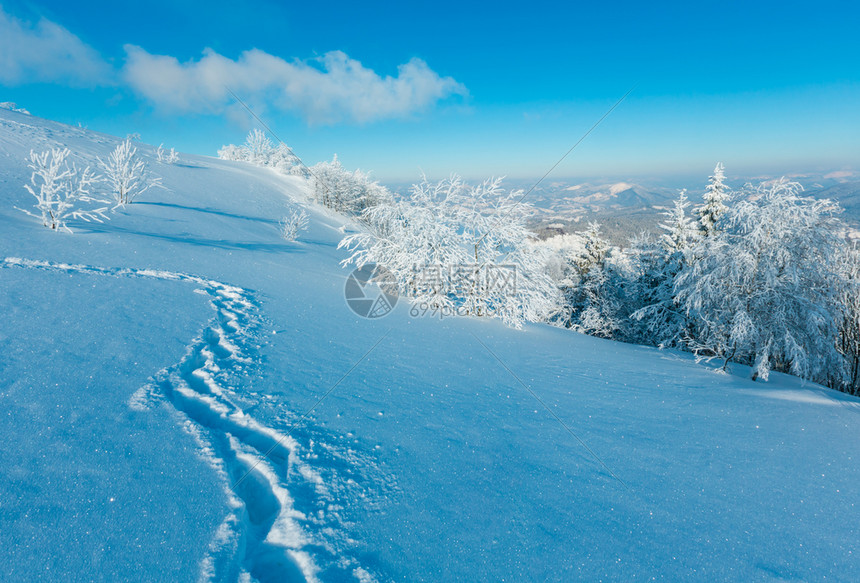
<point x="330" y="89"/>
<point x="327" y="90"/>
<point x="46" y="52"/>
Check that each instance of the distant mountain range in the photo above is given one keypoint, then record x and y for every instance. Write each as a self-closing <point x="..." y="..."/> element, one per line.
<point x="625" y="209"/>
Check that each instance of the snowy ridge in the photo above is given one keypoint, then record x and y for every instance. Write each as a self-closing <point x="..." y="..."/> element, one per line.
<point x="263" y="537"/>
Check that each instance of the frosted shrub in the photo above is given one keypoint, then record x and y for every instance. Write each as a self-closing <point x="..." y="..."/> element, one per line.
<point x="167" y="157"/>
<point x="293" y="224"/>
<point x="59" y="189"/>
<point x="127" y="174"/>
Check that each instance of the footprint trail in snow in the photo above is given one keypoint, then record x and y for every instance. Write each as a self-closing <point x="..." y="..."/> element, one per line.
<point x="264" y="537"/>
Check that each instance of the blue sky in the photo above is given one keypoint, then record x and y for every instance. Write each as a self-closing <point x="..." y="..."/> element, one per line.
<point x="445" y="87"/>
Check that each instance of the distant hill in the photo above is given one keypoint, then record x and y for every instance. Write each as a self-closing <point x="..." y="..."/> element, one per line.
<point x="848" y="195"/>
<point x="625" y="209"/>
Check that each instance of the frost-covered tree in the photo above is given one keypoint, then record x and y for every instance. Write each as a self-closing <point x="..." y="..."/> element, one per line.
<point x="127" y="174"/>
<point x="417" y="240"/>
<point x="679" y="227"/>
<point x="283" y="159"/>
<point x="494" y="230"/>
<point x="461" y="247"/>
<point x="331" y="184"/>
<point x="233" y="152"/>
<point x="714" y="206"/>
<point x="563" y="251"/>
<point x="764" y="290"/>
<point x="772" y="285"/>
<point x="344" y="191"/>
<point x="60" y="188"/>
<point x="258" y="147"/>
<point x="293" y="224"/>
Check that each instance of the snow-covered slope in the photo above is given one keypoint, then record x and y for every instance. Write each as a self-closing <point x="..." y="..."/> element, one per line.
<point x="154" y="361"/>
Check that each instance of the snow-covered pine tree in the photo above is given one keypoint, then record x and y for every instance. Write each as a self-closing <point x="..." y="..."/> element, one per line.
<point x="680" y="230"/>
<point x="601" y="312"/>
<point x="849" y="325"/>
<point x="592" y="302"/>
<point x="595" y="249"/>
<point x="656" y="317"/>
<point x="714" y="206"/>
